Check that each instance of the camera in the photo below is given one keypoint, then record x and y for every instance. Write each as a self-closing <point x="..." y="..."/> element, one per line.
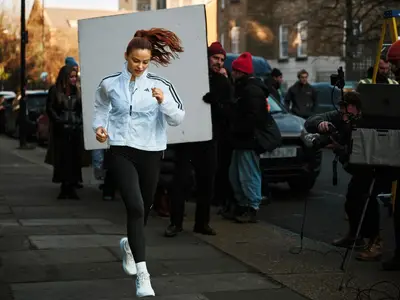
<point x="338" y="79"/>
<point x="318" y="141"/>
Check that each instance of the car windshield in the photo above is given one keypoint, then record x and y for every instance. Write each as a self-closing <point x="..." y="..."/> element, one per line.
<point x="36" y="101"/>
<point x="275" y="108"/>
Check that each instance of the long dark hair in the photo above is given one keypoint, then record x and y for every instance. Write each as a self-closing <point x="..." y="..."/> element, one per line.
<point x="62" y="83"/>
<point x="163" y="44"/>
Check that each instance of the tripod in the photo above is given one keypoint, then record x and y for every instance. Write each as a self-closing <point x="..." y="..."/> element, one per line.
<point x="345" y="266"/>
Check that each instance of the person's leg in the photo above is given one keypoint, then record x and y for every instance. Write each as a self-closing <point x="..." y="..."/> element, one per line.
<point x="178" y="194"/>
<point x="371" y="224"/>
<point x="204" y="161"/>
<point x="133" y="248"/>
<point x="250" y="180"/>
<point x="393" y="264"/>
<point x="108" y="187"/>
<point x="357" y="190"/>
<point x="234" y="179"/>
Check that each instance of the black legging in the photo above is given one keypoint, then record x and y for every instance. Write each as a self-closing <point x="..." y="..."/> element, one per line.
<point x="136" y="176"/>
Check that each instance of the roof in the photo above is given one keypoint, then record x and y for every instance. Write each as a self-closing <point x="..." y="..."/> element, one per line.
<point x="62" y="18"/>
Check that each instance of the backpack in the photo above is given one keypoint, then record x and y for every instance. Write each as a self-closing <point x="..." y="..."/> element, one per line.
<point x="268" y="136"/>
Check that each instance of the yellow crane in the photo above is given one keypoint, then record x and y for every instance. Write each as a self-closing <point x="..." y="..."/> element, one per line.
<point x="389" y="22"/>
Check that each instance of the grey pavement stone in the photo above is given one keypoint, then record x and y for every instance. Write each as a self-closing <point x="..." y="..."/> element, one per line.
<point x="72" y="272"/>
<point x="326" y="285"/>
<point x="8" y="222"/>
<point x="59" y="256"/>
<point x="273" y="294"/>
<point x="13" y="243"/>
<point x="269" y="249"/>
<point x="74" y="241"/>
<point x="5" y="209"/>
<point x="66" y="211"/>
<point x="178" y="252"/>
<point x="181" y="297"/>
<point x="124" y="288"/>
<point x="5" y="292"/>
<point x="69" y="221"/>
<point x="204" y="266"/>
<point x="45" y="230"/>
<point x="6" y="216"/>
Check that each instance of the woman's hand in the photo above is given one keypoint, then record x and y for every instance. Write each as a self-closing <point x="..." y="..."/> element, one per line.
<point x="101" y="134"/>
<point x="158" y="94"/>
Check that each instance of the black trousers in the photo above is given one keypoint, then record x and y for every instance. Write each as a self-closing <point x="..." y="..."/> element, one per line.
<point x="357" y="195"/>
<point x="135" y="173"/>
<point x="396" y="217"/>
<point x="223" y="190"/>
<point x="202" y="156"/>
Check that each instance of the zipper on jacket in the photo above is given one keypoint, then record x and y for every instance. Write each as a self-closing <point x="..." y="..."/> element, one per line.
<point x="130" y="107"/>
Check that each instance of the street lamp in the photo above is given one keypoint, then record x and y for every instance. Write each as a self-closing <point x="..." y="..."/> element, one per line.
<point x="22" y="102"/>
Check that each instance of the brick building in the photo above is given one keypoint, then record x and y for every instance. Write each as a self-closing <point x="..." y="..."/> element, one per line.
<point x="294" y="34"/>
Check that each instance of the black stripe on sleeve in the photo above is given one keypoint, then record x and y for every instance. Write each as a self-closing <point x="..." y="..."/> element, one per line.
<point x="170" y="87"/>
<point x="110" y="76"/>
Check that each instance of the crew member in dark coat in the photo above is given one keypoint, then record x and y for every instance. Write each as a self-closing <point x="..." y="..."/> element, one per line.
<point x="201" y="155"/>
<point x="65" y="112"/>
<point x="249" y="116"/>
<point x="301" y="97"/>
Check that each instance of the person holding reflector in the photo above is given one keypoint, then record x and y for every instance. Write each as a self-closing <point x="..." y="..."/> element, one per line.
<point x="136" y="106"/>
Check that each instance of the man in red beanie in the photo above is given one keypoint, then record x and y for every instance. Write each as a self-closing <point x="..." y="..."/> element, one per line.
<point x="202" y="155"/>
<point x="250" y="119"/>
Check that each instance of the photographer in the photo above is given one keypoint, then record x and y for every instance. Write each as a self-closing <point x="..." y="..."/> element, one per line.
<point x="336" y="127"/>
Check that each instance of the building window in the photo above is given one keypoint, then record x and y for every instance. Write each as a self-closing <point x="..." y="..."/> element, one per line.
<point x="235" y="39"/>
<point x="283" y="41"/>
<point x="302" y="33"/>
<point x="222" y="40"/>
<point x="161" y="4"/>
<point x="222" y="4"/>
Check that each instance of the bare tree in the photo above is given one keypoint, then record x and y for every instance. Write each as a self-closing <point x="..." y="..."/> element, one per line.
<point x="347" y="28"/>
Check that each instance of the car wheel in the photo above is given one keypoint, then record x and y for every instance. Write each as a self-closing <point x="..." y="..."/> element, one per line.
<point x="303" y="184"/>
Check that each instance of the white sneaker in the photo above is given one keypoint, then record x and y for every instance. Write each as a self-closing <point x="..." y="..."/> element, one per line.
<point x="143" y="285"/>
<point x="128" y="263"/>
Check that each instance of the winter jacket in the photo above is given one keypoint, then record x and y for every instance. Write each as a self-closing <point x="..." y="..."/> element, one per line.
<point x="136" y="119"/>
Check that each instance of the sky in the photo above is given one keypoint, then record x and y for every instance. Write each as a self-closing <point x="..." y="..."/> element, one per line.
<point x="83" y="4"/>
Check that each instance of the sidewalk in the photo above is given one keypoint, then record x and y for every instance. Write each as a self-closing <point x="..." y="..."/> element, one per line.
<point x="58" y="250"/>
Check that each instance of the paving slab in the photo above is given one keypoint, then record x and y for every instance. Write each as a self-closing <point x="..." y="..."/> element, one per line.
<point x="14" y="243"/>
<point x="273" y="294"/>
<point x="57" y="256"/>
<point x="178" y="252"/>
<point x="45" y="230"/>
<point x="204" y="266"/>
<point x="272" y="250"/>
<point x="8" y="222"/>
<point x="124" y="288"/>
<point x="5" y="209"/>
<point x="61" y="221"/>
<point x="66" y="211"/>
<point x="74" y="241"/>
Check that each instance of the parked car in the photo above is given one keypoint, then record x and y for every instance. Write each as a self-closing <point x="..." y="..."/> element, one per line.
<point x="42" y="130"/>
<point x="325" y="92"/>
<point x="261" y="66"/>
<point x="6" y="102"/>
<point x="293" y="162"/>
<point x="35" y="105"/>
